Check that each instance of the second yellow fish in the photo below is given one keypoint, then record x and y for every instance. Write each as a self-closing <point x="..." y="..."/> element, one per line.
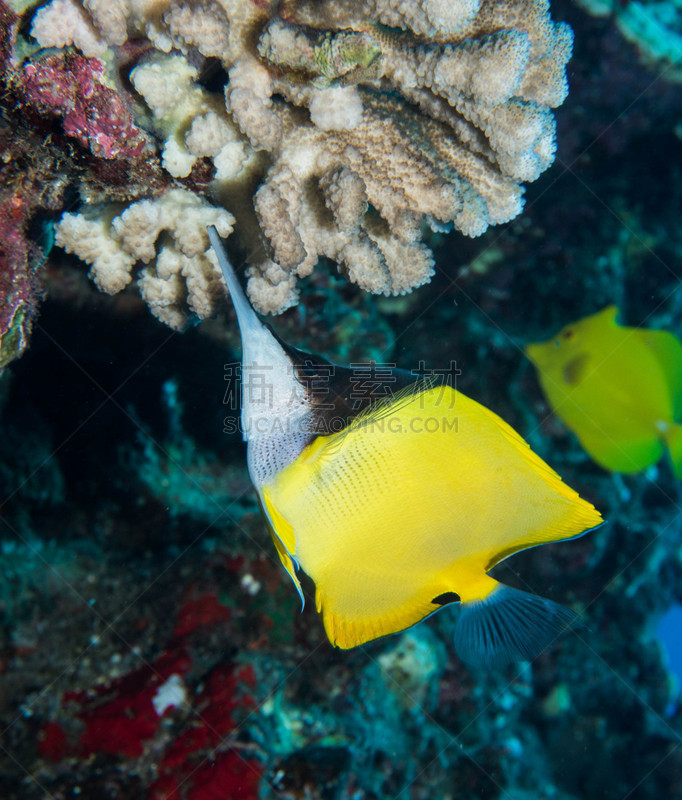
<point x="619" y="389"/>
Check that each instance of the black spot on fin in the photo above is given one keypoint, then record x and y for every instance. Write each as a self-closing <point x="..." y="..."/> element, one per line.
<point x="509" y="625"/>
<point x="445" y="598"/>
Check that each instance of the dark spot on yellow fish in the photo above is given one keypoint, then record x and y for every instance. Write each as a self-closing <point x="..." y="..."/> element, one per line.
<point x="575" y="369"/>
<point x="445" y="598"/>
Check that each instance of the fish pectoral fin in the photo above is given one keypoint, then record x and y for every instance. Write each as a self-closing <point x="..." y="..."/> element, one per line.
<point x="509" y="625"/>
<point x="574" y="371"/>
<point x="279" y="527"/>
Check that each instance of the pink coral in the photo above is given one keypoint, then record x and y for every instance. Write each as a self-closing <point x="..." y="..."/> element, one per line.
<point x="9" y="22"/>
<point x="73" y="87"/>
<point x="38" y="164"/>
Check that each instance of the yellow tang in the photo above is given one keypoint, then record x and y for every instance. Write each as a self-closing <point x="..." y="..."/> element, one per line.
<point x="402" y="507"/>
<point x="618" y="389"/>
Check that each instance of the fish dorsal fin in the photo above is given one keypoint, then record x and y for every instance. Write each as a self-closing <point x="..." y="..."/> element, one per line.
<point x="386" y="406"/>
<point x="601" y="323"/>
<point x="608" y="315"/>
<point x="552" y="478"/>
<point x="379" y="410"/>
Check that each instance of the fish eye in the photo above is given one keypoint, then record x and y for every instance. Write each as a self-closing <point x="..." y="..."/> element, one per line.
<point x="568" y="334"/>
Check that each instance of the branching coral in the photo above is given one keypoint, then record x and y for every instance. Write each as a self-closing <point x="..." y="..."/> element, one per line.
<point x="374" y="118"/>
<point x="192" y="122"/>
<point x="183" y="273"/>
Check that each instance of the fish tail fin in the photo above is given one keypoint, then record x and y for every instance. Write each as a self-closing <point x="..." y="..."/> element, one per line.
<point x="673" y="439"/>
<point x="509" y="625"/>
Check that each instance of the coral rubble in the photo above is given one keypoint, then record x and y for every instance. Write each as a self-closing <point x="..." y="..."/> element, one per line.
<point x="344" y="126"/>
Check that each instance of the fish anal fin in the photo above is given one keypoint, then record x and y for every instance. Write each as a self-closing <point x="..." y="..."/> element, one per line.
<point x="347" y="630"/>
<point x="509" y="625"/>
<point x="353" y="617"/>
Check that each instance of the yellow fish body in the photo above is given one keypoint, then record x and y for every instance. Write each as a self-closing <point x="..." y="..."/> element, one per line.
<point x="416" y="501"/>
<point x="405" y="506"/>
<point x="619" y="389"/>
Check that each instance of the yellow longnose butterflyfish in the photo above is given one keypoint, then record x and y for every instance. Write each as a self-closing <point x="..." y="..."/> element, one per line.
<point x="618" y="389"/>
<point x="399" y="506"/>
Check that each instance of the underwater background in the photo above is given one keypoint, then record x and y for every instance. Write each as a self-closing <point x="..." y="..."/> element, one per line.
<point x="151" y="646"/>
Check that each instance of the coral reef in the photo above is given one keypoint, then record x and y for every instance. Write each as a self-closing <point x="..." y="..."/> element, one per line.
<point x="62" y="123"/>
<point x="20" y="284"/>
<point x="654" y="27"/>
<point x="24" y="160"/>
<point x="346" y="127"/>
<point x="73" y="88"/>
<point x="150" y="646"/>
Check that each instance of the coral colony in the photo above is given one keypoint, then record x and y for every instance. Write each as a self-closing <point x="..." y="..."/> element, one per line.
<point x="343" y="126"/>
